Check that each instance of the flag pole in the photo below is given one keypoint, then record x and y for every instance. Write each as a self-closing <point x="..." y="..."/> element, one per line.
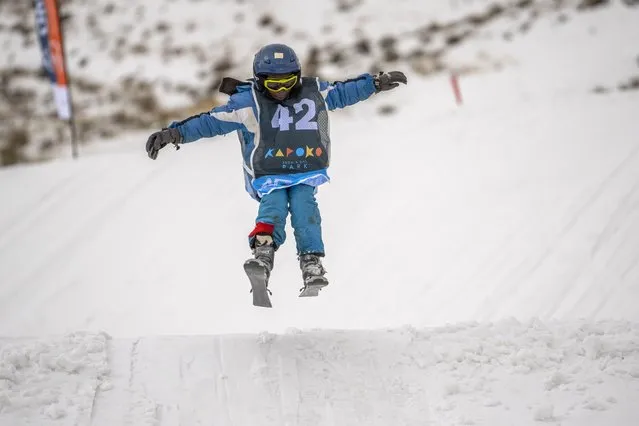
<point x="72" y="126"/>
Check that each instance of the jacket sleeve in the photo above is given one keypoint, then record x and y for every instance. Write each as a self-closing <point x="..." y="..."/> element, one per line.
<point x="344" y="93"/>
<point x="219" y="121"/>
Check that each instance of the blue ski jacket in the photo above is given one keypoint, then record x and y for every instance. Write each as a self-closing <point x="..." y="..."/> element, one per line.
<point x="240" y="114"/>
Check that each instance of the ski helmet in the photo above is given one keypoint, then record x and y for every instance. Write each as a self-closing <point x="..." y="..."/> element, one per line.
<point x="275" y="59"/>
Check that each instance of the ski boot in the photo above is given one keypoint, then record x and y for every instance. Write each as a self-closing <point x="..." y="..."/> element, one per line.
<point x="259" y="269"/>
<point x="313" y="274"/>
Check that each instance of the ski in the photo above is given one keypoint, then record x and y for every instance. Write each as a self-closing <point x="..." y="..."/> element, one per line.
<point x="313" y="286"/>
<point x="257" y="274"/>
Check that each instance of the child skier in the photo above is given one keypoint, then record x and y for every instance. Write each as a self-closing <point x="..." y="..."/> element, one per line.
<point x="282" y="123"/>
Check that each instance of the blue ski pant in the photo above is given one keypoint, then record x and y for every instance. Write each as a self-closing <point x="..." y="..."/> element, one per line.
<point x="306" y="221"/>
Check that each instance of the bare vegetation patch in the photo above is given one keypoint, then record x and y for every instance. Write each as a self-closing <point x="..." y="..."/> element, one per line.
<point x="265" y="21"/>
<point x="313" y="61"/>
<point x="347" y="5"/>
<point x="13" y="151"/>
<point x="631" y="84"/>
<point x="426" y="62"/>
<point x="589" y="4"/>
<point x="139" y="49"/>
<point x="162" y="27"/>
<point x="363" y="47"/>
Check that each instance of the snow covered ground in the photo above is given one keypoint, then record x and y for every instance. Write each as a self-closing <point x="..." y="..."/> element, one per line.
<point x="502" y="373"/>
<point x="489" y="275"/>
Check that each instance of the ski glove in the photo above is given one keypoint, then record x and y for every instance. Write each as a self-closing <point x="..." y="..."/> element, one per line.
<point x="159" y="140"/>
<point x="389" y="80"/>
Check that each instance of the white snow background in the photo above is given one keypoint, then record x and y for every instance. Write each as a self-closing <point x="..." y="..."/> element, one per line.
<point x="483" y="259"/>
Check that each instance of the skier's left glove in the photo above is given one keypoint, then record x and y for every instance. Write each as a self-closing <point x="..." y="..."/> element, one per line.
<point x="389" y="80"/>
<point x="159" y="140"/>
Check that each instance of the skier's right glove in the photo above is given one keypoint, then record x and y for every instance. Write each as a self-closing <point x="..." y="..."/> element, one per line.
<point x="159" y="140"/>
<point x="389" y="80"/>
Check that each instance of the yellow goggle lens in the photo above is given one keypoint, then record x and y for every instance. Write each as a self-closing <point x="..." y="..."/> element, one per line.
<point x="280" y="84"/>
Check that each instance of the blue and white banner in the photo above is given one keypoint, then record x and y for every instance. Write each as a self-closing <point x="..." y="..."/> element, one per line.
<point x="50" y="38"/>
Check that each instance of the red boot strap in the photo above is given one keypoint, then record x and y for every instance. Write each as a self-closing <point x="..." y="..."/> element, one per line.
<point x="262" y="228"/>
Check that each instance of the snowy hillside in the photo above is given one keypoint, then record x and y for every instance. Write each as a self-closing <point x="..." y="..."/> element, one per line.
<point x="488" y="276"/>
<point x="139" y="65"/>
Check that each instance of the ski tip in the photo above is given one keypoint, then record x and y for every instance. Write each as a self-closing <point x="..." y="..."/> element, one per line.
<point x="309" y="293"/>
<point x="261" y="299"/>
<point x="313" y="288"/>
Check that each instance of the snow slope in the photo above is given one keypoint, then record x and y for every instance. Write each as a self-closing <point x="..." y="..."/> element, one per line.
<point x="489" y="276"/>
<point x="497" y="223"/>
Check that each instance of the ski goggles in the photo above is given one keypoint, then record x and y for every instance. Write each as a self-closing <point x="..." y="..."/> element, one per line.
<point x="280" y="84"/>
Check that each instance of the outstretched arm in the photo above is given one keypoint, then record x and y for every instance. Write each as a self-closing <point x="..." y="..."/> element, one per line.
<point x="219" y="121"/>
<point x="344" y="93"/>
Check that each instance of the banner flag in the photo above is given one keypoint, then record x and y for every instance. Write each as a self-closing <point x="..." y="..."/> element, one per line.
<point x="50" y="38"/>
